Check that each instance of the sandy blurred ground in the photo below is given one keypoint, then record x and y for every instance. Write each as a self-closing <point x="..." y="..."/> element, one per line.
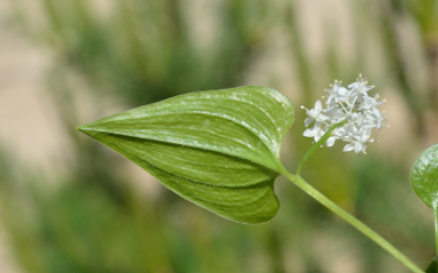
<point x="28" y="123"/>
<point x="25" y="112"/>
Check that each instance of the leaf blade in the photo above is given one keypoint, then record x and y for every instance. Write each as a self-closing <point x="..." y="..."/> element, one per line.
<point x="424" y="176"/>
<point x="218" y="149"/>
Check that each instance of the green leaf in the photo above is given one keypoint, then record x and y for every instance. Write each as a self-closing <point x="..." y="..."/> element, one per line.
<point x="218" y="149"/>
<point x="424" y="176"/>
<point x="432" y="267"/>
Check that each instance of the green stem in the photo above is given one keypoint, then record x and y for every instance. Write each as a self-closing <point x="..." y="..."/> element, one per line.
<point x="302" y="184"/>
<point x="435" y="212"/>
<point x="319" y="143"/>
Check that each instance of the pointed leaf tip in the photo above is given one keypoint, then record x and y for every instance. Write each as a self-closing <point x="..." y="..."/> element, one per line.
<point x="81" y="128"/>
<point x="218" y="149"/>
<point x="86" y="129"/>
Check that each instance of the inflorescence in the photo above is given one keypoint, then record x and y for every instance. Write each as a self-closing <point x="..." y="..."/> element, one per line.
<point x="351" y="105"/>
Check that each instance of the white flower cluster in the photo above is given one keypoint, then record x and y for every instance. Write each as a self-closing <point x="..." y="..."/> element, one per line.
<point x="352" y="105"/>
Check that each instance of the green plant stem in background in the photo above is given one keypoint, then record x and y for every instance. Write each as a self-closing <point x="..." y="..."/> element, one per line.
<point x="435" y="212"/>
<point x="319" y="143"/>
<point x="302" y="184"/>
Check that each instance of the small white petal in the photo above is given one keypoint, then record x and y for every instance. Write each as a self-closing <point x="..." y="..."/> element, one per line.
<point x="358" y="147"/>
<point x="340" y="132"/>
<point x="309" y="132"/>
<point x="318" y="106"/>
<point x="330" y="141"/>
<point x="349" y="147"/>
<point x="311" y="113"/>
<point x="342" y="91"/>
<point x="322" y="117"/>
<point x="308" y="121"/>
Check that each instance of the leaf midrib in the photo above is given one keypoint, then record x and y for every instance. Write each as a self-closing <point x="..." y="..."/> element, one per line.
<point x="198" y="182"/>
<point x="104" y="131"/>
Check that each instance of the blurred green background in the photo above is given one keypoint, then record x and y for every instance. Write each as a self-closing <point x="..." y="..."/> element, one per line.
<point x="69" y="204"/>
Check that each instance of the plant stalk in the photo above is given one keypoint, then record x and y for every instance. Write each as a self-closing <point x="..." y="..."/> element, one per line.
<point x="435" y="212"/>
<point x="314" y="193"/>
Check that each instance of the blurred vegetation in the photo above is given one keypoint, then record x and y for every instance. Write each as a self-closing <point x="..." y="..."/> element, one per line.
<point x="142" y="51"/>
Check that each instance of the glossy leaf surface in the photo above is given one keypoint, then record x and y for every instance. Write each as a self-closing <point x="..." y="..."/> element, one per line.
<point x="424" y="176"/>
<point x="218" y="149"/>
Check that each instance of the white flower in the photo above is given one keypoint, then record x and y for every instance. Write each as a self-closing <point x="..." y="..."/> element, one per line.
<point x="316" y="132"/>
<point x="352" y="104"/>
<point x="314" y="114"/>
<point x="337" y="93"/>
